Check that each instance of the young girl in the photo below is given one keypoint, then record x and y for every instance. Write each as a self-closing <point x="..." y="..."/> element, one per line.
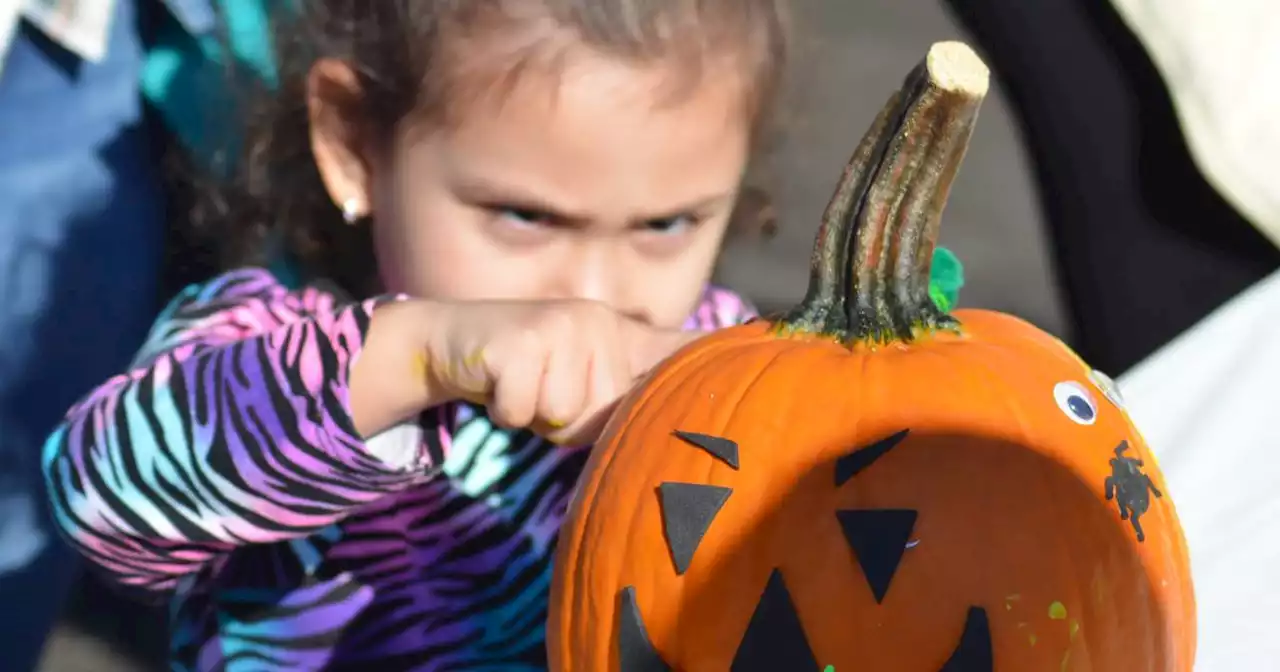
<point x="536" y="191"/>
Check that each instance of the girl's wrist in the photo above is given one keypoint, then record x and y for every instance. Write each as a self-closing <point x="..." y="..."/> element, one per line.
<point x="430" y="325"/>
<point x="393" y="379"/>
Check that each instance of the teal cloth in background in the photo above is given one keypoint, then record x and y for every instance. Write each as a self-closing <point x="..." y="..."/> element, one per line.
<point x="185" y="76"/>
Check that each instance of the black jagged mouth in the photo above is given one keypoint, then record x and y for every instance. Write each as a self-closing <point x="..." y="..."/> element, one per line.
<point x="775" y="641"/>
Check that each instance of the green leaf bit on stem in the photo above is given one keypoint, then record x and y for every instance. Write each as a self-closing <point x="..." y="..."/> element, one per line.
<point x="946" y="279"/>
<point x="870" y="274"/>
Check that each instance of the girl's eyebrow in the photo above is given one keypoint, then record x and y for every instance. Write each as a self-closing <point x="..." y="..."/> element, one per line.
<point x="478" y="190"/>
<point x="697" y="207"/>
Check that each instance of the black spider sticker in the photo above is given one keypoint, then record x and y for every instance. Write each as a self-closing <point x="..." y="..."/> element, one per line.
<point x="1130" y="488"/>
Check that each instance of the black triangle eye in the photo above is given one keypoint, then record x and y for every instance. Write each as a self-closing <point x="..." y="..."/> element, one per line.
<point x="688" y="509"/>
<point x="852" y="464"/>
<point x="877" y="537"/>
<point x="718" y="447"/>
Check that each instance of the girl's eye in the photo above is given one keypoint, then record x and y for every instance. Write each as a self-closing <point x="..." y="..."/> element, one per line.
<point x="671" y="225"/>
<point x="523" y="216"/>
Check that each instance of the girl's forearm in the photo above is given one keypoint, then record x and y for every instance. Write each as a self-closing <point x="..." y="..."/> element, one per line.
<point x="215" y="444"/>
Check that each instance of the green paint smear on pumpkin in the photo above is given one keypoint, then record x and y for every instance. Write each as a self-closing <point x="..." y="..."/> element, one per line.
<point x="1057" y="611"/>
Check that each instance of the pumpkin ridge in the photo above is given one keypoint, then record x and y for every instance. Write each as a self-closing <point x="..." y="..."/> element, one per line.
<point x="569" y="550"/>
<point x="994" y="359"/>
<point x="710" y="369"/>
<point x="656" y="391"/>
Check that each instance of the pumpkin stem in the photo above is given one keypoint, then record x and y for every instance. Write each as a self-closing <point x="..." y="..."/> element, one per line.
<point x="869" y="273"/>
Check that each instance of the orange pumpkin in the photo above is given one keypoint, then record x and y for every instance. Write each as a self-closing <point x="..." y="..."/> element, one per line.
<point x="869" y="483"/>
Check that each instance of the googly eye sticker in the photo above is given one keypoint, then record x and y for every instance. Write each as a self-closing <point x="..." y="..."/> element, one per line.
<point x="1108" y="387"/>
<point x="1075" y="402"/>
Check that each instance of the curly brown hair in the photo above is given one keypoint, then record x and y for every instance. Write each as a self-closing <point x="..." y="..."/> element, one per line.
<point x="408" y="57"/>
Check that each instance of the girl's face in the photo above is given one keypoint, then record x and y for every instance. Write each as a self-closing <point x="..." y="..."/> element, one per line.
<point x="589" y="182"/>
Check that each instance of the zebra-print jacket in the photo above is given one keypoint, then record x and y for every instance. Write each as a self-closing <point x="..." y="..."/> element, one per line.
<point x="224" y="468"/>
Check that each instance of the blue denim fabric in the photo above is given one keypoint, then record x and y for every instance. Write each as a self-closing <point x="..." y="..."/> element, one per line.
<point x="81" y="236"/>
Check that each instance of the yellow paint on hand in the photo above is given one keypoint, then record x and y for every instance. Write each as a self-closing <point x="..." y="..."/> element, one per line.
<point x="422" y="364"/>
<point x="450" y="369"/>
<point x="1057" y="611"/>
<point x="447" y="368"/>
<point x="556" y="424"/>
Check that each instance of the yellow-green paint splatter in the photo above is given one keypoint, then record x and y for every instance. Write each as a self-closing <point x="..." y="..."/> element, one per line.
<point x="1066" y="658"/>
<point x="1075" y="629"/>
<point x="1032" y="638"/>
<point x="1057" y="611"/>
<point x="422" y="365"/>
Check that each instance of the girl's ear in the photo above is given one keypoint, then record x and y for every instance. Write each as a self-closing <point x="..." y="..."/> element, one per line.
<point x="338" y="141"/>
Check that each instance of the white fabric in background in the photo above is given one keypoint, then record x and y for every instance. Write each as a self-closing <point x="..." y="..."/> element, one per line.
<point x="10" y="13"/>
<point x="80" y="26"/>
<point x="1221" y="62"/>
<point x="1209" y="406"/>
<point x="398" y="447"/>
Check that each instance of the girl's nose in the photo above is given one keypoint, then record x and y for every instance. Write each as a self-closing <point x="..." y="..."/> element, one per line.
<point x="593" y="270"/>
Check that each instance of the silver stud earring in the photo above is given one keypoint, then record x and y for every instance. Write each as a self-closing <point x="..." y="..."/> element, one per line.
<point x="351" y="210"/>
